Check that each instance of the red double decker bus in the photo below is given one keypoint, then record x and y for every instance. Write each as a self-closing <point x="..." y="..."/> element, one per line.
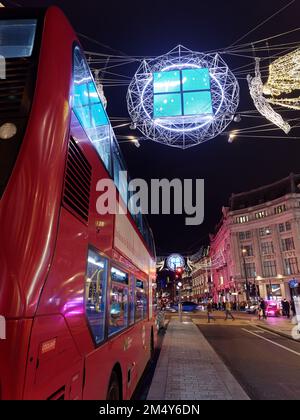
<point x="75" y="286"/>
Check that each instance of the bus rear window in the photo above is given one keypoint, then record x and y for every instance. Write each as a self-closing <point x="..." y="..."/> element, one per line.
<point x="17" y="37"/>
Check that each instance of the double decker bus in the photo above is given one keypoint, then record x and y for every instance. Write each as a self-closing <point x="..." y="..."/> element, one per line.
<point x="76" y="287"/>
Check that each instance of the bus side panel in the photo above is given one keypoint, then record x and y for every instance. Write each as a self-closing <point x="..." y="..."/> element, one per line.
<point x="13" y="359"/>
<point x="130" y="350"/>
<point x="64" y="289"/>
<point x="29" y="209"/>
<point x="55" y="370"/>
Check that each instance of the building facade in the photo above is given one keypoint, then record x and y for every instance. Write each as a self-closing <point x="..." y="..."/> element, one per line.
<point x="201" y="276"/>
<point x="256" y="248"/>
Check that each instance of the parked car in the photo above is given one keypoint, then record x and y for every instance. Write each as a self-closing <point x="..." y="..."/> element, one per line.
<point x="252" y="308"/>
<point x="187" y="306"/>
<point x="273" y="309"/>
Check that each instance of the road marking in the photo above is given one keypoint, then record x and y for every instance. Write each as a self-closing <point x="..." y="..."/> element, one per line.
<point x="272" y="342"/>
<point x="267" y="331"/>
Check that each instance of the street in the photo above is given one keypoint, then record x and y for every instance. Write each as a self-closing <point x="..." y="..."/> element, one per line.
<point x="265" y="364"/>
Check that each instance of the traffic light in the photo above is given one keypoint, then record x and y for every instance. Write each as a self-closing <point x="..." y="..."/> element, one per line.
<point x="179" y="272"/>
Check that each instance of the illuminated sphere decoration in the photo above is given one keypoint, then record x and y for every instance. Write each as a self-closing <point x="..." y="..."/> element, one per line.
<point x="183" y="98"/>
<point x="175" y="261"/>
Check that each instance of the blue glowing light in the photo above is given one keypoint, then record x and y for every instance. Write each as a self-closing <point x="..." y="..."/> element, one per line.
<point x="168" y="105"/>
<point x="197" y="103"/>
<point x="182" y="92"/>
<point x="165" y="82"/>
<point x="195" y="79"/>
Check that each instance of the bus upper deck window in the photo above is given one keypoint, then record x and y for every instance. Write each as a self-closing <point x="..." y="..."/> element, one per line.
<point x="17" y="37"/>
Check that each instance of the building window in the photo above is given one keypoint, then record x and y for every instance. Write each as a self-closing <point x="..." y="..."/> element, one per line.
<point x="242" y="219"/>
<point x="269" y="268"/>
<point x="95" y="294"/>
<point x="250" y="270"/>
<point x="261" y="214"/>
<point x="285" y="227"/>
<point x="291" y="266"/>
<point x="267" y="248"/>
<point x="248" y="250"/>
<point x="118" y="301"/>
<point x="244" y="235"/>
<point x="287" y="244"/>
<point x="265" y="231"/>
<point x="280" y="209"/>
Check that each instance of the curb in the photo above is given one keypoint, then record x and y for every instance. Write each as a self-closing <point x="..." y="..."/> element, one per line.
<point x="284" y="335"/>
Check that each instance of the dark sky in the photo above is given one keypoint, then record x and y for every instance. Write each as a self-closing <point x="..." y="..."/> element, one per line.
<point x="153" y="28"/>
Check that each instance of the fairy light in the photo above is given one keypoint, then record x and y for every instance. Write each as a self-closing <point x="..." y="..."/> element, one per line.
<point x="284" y="79"/>
<point x="256" y="89"/>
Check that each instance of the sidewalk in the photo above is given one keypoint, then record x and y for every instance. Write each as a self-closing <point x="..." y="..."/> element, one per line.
<point x="281" y="326"/>
<point x="189" y="369"/>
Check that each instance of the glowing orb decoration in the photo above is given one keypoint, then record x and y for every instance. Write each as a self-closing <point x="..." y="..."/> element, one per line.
<point x="175" y="261"/>
<point x="183" y="98"/>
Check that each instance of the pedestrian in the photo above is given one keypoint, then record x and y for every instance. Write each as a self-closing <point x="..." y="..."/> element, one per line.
<point x="209" y="312"/>
<point x="293" y="308"/>
<point x="228" y="311"/>
<point x="283" y="307"/>
<point x="287" y="308"/>
<point x="262" y="306"/>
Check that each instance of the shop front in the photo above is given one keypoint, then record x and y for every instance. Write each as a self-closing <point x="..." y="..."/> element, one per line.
<point x="274" y="292"/>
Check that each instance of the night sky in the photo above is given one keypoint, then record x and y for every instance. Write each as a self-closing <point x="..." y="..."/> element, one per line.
<point x="152" y="28"/>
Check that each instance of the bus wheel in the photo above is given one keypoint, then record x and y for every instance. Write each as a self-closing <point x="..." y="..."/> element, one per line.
<point x="113" y="392"/>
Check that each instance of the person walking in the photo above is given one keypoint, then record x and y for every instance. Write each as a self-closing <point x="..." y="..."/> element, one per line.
<point x="228" y="309"/>
<point x="209" y="312"/>
<point x="293" y="308"/>
<point x="287" y="308"/>
<point x="262" y="306"/>
<point x="283" y="307"/>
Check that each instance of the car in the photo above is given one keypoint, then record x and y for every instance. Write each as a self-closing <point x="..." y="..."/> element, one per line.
<point x="187" y="306"/>
<point x="252" y="308"/>
<point x="272" y="309"/>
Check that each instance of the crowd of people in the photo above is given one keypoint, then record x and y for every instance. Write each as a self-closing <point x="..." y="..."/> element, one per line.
<point x="288" y="308"/>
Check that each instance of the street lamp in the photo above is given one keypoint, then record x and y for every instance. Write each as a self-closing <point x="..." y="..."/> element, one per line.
<point x="179" y="286"/>
<point x="244" y="253"/>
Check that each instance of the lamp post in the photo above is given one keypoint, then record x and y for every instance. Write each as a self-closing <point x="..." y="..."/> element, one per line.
<point x="244" y="253"/>
<point x="179" y="303"/>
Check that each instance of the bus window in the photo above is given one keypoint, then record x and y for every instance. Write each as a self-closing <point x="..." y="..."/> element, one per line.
<point x="140" y="301"/>
<point x="120" y="181"/>
<point x="118" y="301"/>
<point x="132" y="301"/>
<point x="89" y="109"/>
<point x="95" y="294"/>
<point x="17" y="37"/>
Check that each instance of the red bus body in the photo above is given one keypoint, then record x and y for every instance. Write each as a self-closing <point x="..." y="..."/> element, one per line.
<point x="49" y="352"/>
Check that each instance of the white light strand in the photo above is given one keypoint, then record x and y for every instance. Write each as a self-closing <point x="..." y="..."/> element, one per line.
<point x="262" y="105"/>
<point x="284" y="79"/>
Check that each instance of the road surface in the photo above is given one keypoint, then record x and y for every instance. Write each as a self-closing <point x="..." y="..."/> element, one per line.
<point x="265" y="364"/>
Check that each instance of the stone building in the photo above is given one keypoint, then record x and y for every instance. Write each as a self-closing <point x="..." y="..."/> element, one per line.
<point x="256" y="248"/>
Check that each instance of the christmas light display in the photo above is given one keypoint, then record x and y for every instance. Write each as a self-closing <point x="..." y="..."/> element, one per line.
<point x="183" y="98"/>
<point x="284" y="79"/>
<point x="256" y="88"/>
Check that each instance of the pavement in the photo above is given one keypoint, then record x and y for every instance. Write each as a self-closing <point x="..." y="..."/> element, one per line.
<point x="188" y="368"/>
<point x="279" y="325"/>
<point x="285" y="327"/>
